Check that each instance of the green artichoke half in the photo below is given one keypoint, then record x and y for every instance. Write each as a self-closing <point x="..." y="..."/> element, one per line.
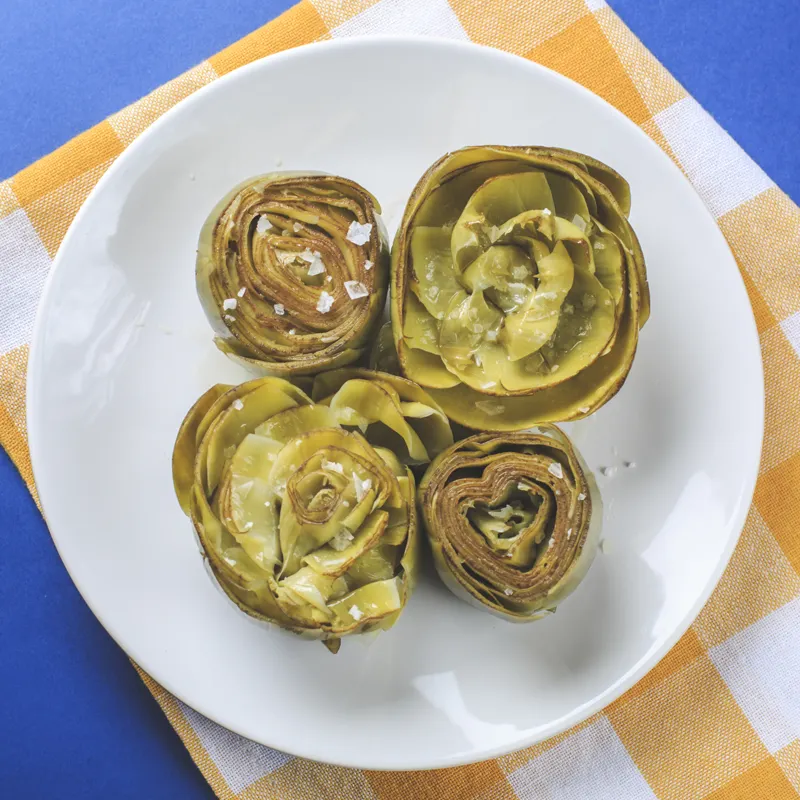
<point x="292" y="269"/>
<point x="513" y="520"/>
<point x="305" y="518"/>
<point x="518" y="286"/>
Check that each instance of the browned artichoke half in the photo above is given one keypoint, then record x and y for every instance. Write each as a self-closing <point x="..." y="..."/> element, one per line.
<point x="292" y="270"/>
<point x="513" y="520"/>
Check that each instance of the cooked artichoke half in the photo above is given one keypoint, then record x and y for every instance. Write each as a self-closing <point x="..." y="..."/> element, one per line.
<point x="292" y="271"/>
<point x="513" y="520"/>
<point x="305" y="517"/>
<point x="518" y="286"/>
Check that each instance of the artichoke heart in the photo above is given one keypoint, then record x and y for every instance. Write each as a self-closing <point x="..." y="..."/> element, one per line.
<point x="518" y="286"/>
<point x="292" y="271"/>
<point x="305" y="516"/>
<point x="513" y="520"/>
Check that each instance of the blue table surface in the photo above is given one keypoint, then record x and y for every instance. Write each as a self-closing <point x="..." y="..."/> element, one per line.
<point x="75" y="720"/>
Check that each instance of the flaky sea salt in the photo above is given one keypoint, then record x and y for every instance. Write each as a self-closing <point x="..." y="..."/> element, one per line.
<point x="280" y="309"/>
<point x="355" y="612"/>
<point x="241" y="291"/>
<point x="358" y="233"/>
<point x="317" y="265"/>
<point x="579" y="222"/>
<point x="229" y="318"/>
<point x="286" y="257"/>
<point x="334" y="466"/>
<point x="263" y="224"/>
<point x="508" y="592"/>
<point x="342" y="540"/>
<point x="519" y="273"/>
<point x="569" y="532"/>
<point x="490" y="407"/>
<point x="556" y="469"/>
<point x="325" y="302"/>
<point x="362" y="486"/>
<point x="292" y="331"/>
<point x="229" y="304"/>
<point x="584" y="409"/>
<point x="546" y="212"/>
<point x="356" y="289"/>
<point x="608" y="472"/>
<point x="367" y="265"/>
<point x="238" y="404"/>
<point x="297" y="227"/>
<point x="581" y="496"/>
<point x="491" y="336"/>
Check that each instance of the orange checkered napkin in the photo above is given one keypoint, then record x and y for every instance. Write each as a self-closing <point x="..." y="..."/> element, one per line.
<point x="719" y="717"/>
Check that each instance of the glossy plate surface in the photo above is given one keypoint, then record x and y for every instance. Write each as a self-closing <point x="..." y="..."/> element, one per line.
<point x="122" y="350"/>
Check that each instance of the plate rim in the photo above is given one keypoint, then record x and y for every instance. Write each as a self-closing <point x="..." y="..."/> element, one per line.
<point x="580" y="713"/>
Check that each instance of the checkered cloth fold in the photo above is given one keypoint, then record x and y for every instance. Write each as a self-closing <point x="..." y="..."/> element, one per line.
<point x="719" y="717"/>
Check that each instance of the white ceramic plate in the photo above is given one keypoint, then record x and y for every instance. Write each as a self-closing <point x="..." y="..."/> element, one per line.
<point x="122" y="349"/>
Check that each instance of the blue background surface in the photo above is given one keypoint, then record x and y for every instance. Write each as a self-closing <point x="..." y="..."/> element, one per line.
<point x="75" y="720"/>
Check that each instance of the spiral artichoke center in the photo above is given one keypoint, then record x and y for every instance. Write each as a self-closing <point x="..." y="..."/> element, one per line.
<point x="505" y="518"/>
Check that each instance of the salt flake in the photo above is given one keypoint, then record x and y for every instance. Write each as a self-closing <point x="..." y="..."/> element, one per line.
<point x="556" y="469"/>
<point x="263" y="224"/>
<point x="508" y="592"/>
<point x="368" y="265"/>
<point x="490" y="407"/>
<point x="356" y="289"/>
<point x="355" y="612"/>
<point x="316" y="265"/>
<point x="241" y="291"/>
<point x="325" y="302"/>
<point x="358" y="233"/>
<point x="229" y="304"/>
<point x="342" y="540"/>
<point x="334" y="466"/>
<point x="238" y="404"/>
<point x="280" y="309"/>
<point x="362" y="486"/>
